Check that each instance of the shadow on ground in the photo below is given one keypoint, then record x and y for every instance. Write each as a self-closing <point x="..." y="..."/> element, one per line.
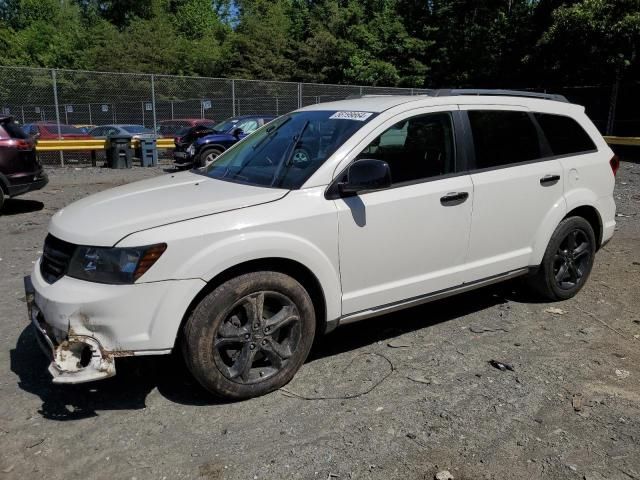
<point x="137" y="377"/>
<point x="17" y="206"/>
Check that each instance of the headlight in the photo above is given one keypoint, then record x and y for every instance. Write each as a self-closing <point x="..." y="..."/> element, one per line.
<point x="191" y="149"/>
<point x="113" y="265"/>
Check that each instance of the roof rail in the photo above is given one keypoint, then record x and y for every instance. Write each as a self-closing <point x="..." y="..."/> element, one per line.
<point x="447" y="92"/>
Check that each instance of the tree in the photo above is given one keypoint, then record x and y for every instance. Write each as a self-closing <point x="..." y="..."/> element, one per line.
<point x="596" y="40"/>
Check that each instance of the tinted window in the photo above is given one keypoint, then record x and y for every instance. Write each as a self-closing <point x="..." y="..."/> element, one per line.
<point x="503" y="137"/>
<point x="14" y="130"/>
<point x="285" y="153"/>
<point x="416" y="148"/>
<point x="564" y="134"/>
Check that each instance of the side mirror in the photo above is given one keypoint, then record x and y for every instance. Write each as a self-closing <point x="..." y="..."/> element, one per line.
<point x="366" y="174"/>
<point x="237" y="132"/>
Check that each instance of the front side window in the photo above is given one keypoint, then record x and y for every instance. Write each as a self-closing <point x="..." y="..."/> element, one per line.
<point x="417" y="148"/>
<point x="502" y="137"/>
<point x="248" y="126"/>
<point x="564" y="134"/>
<point x="287" y="151"/>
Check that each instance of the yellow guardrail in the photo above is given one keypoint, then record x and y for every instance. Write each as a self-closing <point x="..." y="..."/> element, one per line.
<point x="623" y="140"/>
<point x="84" y="144"/>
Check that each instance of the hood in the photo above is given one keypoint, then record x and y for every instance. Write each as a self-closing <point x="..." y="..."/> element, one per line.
<point x="215" y="137"/>
<point x="105" y="218"/>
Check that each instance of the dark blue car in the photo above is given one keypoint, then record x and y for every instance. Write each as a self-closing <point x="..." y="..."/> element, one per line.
<point x="198" y="146"/>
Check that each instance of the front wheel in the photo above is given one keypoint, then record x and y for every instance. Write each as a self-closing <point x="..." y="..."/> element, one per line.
<point x="208" y="156"/>
<point x="568" y="260"/>
<point x="250" y="335"/>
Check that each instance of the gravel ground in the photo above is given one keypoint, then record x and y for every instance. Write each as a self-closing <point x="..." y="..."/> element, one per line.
<point x="403" y="396"/>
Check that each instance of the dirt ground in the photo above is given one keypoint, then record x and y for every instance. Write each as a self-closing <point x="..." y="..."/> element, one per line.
<point x="433" y="400"/>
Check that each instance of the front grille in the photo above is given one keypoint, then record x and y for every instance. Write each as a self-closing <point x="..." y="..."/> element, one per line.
<point x="56" y="256"/>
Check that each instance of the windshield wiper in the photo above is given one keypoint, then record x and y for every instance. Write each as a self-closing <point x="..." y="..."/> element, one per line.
<point x="270" y="133"/>
<point x="288" y="159"/>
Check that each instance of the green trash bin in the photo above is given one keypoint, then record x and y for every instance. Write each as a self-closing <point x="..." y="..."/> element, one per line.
<point x="119" y="152"/>
<point x="148" y="152"/>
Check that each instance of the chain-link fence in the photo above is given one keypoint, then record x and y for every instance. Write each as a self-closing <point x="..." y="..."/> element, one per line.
<point x="71" y="97"/>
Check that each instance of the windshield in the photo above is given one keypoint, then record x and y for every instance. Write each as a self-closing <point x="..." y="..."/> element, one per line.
<point x="137" y="129"/>
<point x="225" y="125"/>
<point x="286" y="152"/>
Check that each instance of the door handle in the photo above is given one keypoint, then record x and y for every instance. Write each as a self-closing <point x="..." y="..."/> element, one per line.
<point x="454" y="198"/>
<point x="549" y="180"/>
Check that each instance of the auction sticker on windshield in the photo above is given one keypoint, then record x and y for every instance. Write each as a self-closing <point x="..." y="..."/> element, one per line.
<point x="359" y="116"/>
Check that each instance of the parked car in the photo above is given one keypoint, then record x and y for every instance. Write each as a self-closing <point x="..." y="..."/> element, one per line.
<point x="134" y="131"/>
<point x="171" y="128"/>
<point x="85" y="128"/>
<point x="316" y="221"/>
<point x="49" y="131"/>
<point x="20" y="169"/>
<point x="199" y="147"/>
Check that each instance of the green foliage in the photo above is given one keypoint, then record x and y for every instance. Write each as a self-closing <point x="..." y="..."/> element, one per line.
<point x="415" y="43"/>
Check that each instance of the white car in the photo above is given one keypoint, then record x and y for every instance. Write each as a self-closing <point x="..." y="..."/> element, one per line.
<point x="331" y="214"/>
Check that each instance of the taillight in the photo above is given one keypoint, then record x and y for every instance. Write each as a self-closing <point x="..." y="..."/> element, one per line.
<point x="615" y="164"/>
<point x="17" y="143"/>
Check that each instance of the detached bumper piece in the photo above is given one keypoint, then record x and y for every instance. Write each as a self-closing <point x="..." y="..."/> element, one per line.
<point x="74" y="358"/>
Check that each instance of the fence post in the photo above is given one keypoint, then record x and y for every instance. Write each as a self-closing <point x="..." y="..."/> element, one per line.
<point x="299" y="95"/>
<point x="613" y="103"/>
<point x="90" y="120"/>
<point x="153" y="102"/>
<point x="55" y="102"/>
<point x="233" y="98"/>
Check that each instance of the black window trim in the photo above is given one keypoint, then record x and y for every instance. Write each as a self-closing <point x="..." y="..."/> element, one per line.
<point x="542" y="140"/>
<point x="460" y="159"/>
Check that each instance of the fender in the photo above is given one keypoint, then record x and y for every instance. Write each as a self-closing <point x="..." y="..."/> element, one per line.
<point x="548" y="225"/>
<point x="243" y="248"/>
<point x="579" y="197"/>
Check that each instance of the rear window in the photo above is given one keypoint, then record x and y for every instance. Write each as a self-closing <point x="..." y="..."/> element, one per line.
<point x="564" y="134"/>
<point x="14" y="130"/>
<point x="503" y="137"/>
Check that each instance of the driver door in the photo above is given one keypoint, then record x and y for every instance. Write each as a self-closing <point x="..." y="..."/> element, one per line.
<point x="410" y="239"/>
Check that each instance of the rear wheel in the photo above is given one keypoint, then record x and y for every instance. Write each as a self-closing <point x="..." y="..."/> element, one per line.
<point x="568" y="260"/>
<point x="250" y="335"/>
<point x="2" y="197"/>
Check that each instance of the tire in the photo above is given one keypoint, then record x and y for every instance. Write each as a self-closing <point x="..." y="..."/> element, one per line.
<point x="236" y="357"/>
<point x="2" y="198"/>
<point x="567" y="262"/>
<point x="207" y="156"/>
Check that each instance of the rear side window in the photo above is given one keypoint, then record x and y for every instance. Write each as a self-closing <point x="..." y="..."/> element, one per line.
<point x="564" y="134"/>
<point x="502" y="137"/>
<point x="14" y="130"/>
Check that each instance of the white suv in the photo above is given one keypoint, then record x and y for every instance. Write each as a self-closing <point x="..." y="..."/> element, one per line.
<point x="334" y="213"/>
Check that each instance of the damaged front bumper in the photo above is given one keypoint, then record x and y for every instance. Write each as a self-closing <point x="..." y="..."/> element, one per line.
<point x="74" y="358"/>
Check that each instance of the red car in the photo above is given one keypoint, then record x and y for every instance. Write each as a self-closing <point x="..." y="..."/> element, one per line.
<point x="178" y="126"/>
<point x="49" y="131"/>
<point x="20" y="170"/>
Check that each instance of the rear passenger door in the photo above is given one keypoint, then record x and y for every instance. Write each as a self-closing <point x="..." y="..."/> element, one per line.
<point x="517" y="186"/>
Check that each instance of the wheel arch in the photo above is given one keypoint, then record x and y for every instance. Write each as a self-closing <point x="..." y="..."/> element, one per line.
<point x="211" y="146"/>
<point x="591" y="215"/>
<point x="293" y="268"/>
